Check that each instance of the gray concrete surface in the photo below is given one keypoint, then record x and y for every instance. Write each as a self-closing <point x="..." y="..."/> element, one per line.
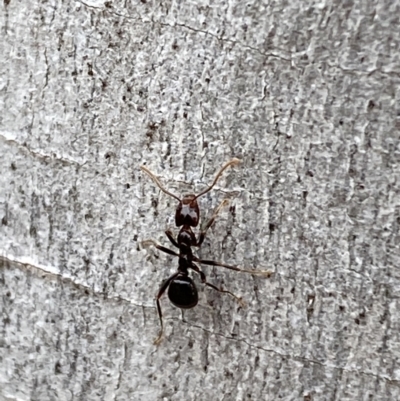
<point x="306" y="93"/>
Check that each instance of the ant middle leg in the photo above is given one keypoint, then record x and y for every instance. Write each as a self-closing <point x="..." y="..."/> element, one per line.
<point x="203" y="233"/>
<point x="160" y="247"/>
<point x="262" y="273"/>
<point x="204" y="281"/>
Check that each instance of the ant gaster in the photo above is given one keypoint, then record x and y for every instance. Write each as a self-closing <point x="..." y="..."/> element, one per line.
<point x="182" y="291"/>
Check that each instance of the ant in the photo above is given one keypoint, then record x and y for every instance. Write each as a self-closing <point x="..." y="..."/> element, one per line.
<point x="182" y="291"/>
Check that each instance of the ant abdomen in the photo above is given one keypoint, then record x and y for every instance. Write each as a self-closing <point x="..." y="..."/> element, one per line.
<point x="182" y="292"/>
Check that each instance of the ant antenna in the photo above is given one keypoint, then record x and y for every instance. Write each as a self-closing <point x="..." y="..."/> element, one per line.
<point x="232" y="162"/>
<point x="157" y="182"/>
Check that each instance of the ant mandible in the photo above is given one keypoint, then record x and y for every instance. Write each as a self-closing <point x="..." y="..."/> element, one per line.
<point x="182" y="291"/>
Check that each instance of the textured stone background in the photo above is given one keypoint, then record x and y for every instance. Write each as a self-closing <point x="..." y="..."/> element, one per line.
<point x="306" y="93"/>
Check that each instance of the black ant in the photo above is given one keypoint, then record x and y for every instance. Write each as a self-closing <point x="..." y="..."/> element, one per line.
<point x="182" y="291"/>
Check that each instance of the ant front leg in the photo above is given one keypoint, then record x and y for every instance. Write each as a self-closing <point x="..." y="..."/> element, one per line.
<point x="204" y="281"/>
<point x="211" y="222"/>
<point x="170" y="236"/>
<point x="161" y="291"/>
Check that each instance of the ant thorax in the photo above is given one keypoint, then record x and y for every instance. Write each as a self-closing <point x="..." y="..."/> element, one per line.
<point x="186" y="237"/>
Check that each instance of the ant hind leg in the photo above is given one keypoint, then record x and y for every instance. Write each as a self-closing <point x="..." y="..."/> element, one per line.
<point x="161" y="291"/>
<point x="205" y="282"/>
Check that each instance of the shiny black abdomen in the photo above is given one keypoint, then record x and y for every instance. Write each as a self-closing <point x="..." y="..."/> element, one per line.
<point x="182" y="292"/>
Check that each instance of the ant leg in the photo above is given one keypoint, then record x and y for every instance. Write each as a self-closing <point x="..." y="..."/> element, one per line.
<point x="211" y="221"/>
<point x="262" y="273"/>
<point x="204" y="281"/>
<point x="169" y="234"/>
<point x="161" y="291"/>
<point x="160" y="247"/>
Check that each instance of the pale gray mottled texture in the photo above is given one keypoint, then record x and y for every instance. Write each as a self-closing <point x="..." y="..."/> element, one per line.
<point x="306" y="93"/>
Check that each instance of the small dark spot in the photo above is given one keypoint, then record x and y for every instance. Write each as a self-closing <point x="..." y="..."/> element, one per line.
<point x="127" y="186"/>
<point x="88" y="216"/>
<point x="6" y="2"/>
<point x="135" y="237"/>
<point x="371" y="105"/>
<point x="154" y="203"/>
<point x="140" y="109"/>
<point x="4" y="221"/>
<point x="340" y="122"/>
<point x="32" y="231"/>
<point x="352" y="172"/>
<point x="13" y="166"/>
<point x="57" y="368"/>
<point x="152" y="126"/>
<point x="8" y="294"/>
<point x="272" y="228"/>
<point x="357" y="320"/>
<point x="175" y="46"/>
<point x="108" y="155"/>
<point x="90" y="69"/>
<point x="310" y="173"/>
<point x="342" y="308"/>
<point x="292" y="290"/>
<point x="185" y="114"/>
<point x="108" y="4"/>
<point x="305" y="194"/>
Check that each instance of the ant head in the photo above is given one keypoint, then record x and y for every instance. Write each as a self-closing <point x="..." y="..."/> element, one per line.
<point x="188" y="212"/>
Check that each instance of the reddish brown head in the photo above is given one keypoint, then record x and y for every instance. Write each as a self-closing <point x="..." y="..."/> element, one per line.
<point x="187" y="212"/>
